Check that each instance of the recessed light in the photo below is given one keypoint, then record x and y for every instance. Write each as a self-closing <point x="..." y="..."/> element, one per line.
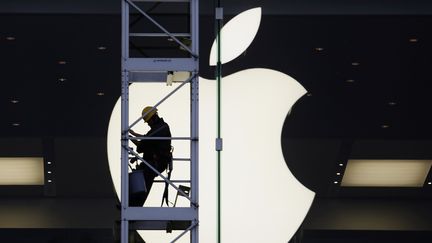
<point x="62" y="79"/>
<point x="341" y="164"/>
<point x="49" y="181"/>
<point x="385" y="126"/>
<point x="101" y="48"/>
<point x="355" y="63"/>
<point x="14" y="101"/>
<point x="413" y="40"/>
<point x="100" y="93"/>
<point x="49" y="172"/>
<point x="62" y="62"/>
<point x="429" y="183"/>
<point x="335" y="182"/>
<point x="391" y="103"/>
<point x="15" y="124"/>
<point x="386" y="173"/>
<point x="338" y="173"/>
<point x="309" y="94"/>
<point x="170" y="39"/>
<point x="49" y="162"/>
<point x="350" y="80"/>
<point x="22" y="171"/>
<point x="319" y="49"/>
<point x="10" y="38"/>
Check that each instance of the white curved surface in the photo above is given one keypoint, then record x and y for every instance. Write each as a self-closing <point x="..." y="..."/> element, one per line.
<point x="237" y="35"/>
<point x="261" y="200"/>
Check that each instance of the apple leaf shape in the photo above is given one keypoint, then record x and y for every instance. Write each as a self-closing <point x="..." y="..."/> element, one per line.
<point x="237" y="35"/>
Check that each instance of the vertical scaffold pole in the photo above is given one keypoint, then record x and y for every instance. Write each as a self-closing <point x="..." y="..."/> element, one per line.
<point x="124" y="234"/>
<point x="194" y="9"/>
<point x="156" y="69"/>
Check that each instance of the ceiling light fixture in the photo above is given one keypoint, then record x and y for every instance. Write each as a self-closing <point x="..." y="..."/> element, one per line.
<point x="341" y="164"/>
<point x="62" y="62"/>
<point x="62" y="79"/>
<point x="101" y="48"/>
<point x="21" y="171"/>
<point x="338" y="173"/>
<point x="318" y="49"/>
<point x="355" y="63"/>
<point x="10" y="38"/>
<point x="385" y="126"/>
<point x="15" y="124"/>
<point x="350" y="80"/>
<point x="14" y="101"/>
<point x="429" y="183"/>
<point x="100" y="93"/>
<point x="386" y="173"/>
<point x="413" y="40"/>
<point x="391" y="103"/>
<point x="335" y="182"/>
<point x="309" y="94"/>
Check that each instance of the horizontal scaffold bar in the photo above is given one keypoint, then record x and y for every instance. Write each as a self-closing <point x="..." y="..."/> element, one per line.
<point x="162" y="138"/>
<point x="160" y="76"/>
<point x="160" y="225"/>
<point x="158" y="213"/>
<point x="160" y="64"/>
<point x="181" y="159"/>
<point x="174" y="159"/>
<point x="174" y="181"/>
<point x="159" y="34"/>
<point x="164" y="1"/>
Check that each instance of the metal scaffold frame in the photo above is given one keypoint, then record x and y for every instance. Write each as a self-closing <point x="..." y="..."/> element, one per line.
<point x="147" y="69"/>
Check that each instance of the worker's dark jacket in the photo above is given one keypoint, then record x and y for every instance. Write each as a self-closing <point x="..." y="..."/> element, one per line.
<point x="156" y="152"/>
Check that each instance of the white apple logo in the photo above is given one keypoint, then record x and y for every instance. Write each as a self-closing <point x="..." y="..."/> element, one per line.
<point x="261" y="200"/>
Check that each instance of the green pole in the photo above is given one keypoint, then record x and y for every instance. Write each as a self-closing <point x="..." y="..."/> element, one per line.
<point x="218" y="13"/>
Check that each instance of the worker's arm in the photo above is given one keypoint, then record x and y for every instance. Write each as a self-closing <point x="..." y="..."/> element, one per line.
<point x="136" y="142"/>
<point x="135" y="133"/>
<point x="139" y="143"/>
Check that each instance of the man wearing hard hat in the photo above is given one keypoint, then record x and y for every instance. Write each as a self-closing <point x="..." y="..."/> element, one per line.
<point x="157" y="152"/>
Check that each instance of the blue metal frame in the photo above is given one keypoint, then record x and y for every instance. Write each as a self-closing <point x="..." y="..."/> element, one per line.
<point x="157" y="67"/>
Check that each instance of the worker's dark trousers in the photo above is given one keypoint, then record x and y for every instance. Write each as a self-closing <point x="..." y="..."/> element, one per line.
<point x="138" y="199"/>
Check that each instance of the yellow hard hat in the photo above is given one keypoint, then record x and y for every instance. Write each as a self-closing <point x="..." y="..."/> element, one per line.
<point x="149" y="114"/>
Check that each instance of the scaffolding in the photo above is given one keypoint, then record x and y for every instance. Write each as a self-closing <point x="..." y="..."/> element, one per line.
<point x="151" y="67"/>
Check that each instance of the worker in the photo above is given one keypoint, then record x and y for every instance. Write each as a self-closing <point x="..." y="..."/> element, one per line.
<point x="157" y="152"/>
